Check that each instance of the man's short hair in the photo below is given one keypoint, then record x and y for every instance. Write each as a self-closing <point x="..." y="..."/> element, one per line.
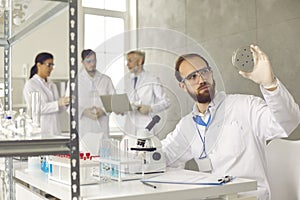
<point x="185" y="57"/>
<point x="86" y="53"/>
<point x="141" y="54"/>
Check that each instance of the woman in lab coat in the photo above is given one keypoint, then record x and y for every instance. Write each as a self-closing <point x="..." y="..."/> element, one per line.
<point x="51" y="104"/>
<point x="227" y="134"/>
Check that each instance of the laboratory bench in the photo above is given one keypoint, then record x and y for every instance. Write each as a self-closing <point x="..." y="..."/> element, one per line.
<point x="126" y="190"/>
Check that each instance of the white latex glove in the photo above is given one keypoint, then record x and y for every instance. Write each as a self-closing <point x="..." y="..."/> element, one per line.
<point x="64" y="101"/>
<point x="93" y="113"/>
<point x="98" y="111"/>
<point x="90" y="113"/>
<point x="144" y="109"/>
<point x="262" y="71"/>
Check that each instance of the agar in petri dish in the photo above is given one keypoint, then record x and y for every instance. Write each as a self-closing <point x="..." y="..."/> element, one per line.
<point x="242" y="59"/>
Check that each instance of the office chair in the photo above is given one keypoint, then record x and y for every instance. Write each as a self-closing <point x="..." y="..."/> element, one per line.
<point x="283" y="159"/>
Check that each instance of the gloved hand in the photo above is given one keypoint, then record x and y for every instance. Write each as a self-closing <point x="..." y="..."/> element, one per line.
<point x="90" y="113"/>
<point x="144" y="109"/>
<point x="64" y="101"/>
<point x="262" y="71"/>
<point x="98" y="111"/>
<point x="93" y="113"/>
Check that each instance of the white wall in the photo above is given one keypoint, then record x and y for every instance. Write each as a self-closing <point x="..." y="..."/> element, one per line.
<point x="51" y="37"/>
<point x="222" y="26"/>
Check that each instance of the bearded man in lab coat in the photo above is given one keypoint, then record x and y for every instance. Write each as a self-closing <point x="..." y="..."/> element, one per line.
<point x="227" y="134"/>
<point x="93" y="120"/>
<point x="145" y="92"/>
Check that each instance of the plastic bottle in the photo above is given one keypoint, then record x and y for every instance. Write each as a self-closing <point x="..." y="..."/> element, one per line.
<point x="21" y="122"/>
<point x="8" y="127"/>
<point x="45" y="167"/>
<point x="2" y="120"/>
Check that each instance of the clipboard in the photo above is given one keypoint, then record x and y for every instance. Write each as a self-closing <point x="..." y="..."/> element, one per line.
<point x="118" y="103"/>
<point x="187" y="177"/>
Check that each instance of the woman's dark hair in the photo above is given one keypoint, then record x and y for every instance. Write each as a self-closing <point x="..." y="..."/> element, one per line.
<point x="86" y="53"/>
<point x="40" y="58"/>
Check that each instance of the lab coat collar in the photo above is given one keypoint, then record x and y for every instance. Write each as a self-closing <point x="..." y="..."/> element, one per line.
<point x="132" y="75"/>
<point x="86" y="75"/>
<point x="216" y="102"/>
<point x="36" y="76"/>
<point x="212" y="107"/>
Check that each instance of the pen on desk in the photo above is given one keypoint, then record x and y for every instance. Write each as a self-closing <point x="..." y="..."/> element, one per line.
<point x="226" y="179"/>
<point x="148" y="184"/>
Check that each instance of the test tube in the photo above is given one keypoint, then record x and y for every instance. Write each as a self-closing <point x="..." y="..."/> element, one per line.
<point x="100" y="149"/>
<point x="112" y="145"/>
<point x="117" y="149"/>
<point x="125" y="154"/>
<point x="105" y="148"/>
<point x="108" y="148"/>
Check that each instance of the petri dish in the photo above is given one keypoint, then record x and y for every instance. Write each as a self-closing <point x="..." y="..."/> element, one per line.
<point x="242" y="59"/>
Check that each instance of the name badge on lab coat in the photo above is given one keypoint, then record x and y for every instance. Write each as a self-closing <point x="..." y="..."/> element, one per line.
<point x="204" y="164"/>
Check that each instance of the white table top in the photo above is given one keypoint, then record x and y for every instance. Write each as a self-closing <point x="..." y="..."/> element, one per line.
<point x="133" y="190"/>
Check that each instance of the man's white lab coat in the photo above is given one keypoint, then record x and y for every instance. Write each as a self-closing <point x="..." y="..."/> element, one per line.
<point x="148" y="91"/>
<point x="50" y="124"/>
<point x="237" y="134"/>
<point x="89" y="91"/>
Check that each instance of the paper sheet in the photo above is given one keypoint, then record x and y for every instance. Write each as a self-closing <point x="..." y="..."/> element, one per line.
<point x="185" y="177"/>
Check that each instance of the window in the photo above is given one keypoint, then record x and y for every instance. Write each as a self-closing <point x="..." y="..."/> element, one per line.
<point x="104" y="35"/>
<point x="104" y="25"/>
<point x="105" y="21"/>
<point x="116" y="5"/>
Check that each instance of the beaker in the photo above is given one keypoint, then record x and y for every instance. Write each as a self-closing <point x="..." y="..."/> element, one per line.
<point x="35" y="108"/>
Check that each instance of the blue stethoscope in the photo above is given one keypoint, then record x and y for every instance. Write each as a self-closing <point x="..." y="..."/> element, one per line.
<point x="198" y="120"/>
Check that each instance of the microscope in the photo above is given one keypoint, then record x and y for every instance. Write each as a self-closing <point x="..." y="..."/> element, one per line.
<point x="149" y="149"/>
<point x="133" y="157"/>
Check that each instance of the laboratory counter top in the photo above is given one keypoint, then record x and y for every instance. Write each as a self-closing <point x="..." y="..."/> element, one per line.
<point x="133" y="189"/>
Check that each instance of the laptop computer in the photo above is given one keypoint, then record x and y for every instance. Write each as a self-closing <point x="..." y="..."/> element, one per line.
<point x="118" y="103"/>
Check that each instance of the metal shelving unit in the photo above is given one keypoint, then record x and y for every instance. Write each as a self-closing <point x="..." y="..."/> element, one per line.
<point x="74" y="138"/>
<point x="7" y="94"/>
<point x="34" y="147"/>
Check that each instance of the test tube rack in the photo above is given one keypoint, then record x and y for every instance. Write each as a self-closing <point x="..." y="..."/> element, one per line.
<point x="61" y="169"/>
<point x="120" y="170"/>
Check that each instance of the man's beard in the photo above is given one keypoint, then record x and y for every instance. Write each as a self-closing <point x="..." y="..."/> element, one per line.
<point x="206" y="96"/>
<point x="91" y="70"/>
<point x="134" y="70"/>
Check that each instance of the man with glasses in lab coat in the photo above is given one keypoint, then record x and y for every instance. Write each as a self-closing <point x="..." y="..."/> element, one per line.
<point x="93" y="120"/>
<point x="227" y="134"/>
